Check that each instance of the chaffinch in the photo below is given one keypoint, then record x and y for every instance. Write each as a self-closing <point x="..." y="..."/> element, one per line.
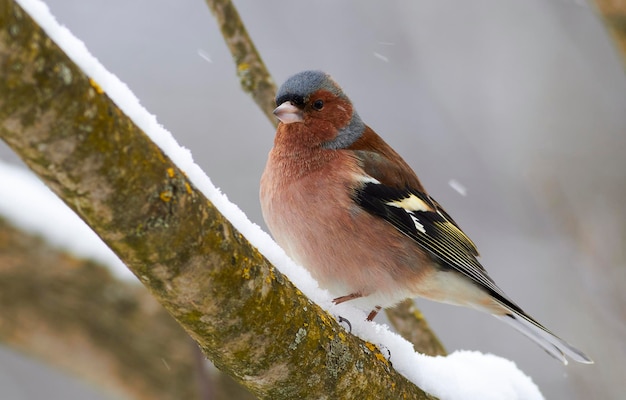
<point x="342" y="203"/>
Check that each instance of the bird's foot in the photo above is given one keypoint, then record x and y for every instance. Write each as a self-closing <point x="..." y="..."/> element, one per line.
<point x="343" y="320"/>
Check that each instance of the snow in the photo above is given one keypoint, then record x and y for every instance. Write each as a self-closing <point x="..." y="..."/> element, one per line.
<point x="205" y="56"/>
<point x="461" y="375"/>
<point x="381" y="57"/>
<point x="458" y="187"/>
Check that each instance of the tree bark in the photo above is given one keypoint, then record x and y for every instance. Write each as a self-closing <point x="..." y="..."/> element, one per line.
<point x="244" y="314"/>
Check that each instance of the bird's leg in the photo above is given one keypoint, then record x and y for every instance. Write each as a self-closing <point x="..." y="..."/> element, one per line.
<point x="351" y="296"/>
<point x="373" y="313"/>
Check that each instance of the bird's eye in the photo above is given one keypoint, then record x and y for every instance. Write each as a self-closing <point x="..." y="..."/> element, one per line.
<point x="318" y="104"/>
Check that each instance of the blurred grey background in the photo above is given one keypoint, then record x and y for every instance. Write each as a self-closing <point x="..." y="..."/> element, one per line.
<point x="522" y="102"/>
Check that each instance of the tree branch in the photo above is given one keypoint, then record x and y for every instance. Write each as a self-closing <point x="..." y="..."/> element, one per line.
<point x="245" y="315"/>
<point x="411" y="325"/>
<point x="252" y="73"/>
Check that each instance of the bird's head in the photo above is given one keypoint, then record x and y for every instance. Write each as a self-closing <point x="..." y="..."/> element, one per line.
<point x="313" y="100"/>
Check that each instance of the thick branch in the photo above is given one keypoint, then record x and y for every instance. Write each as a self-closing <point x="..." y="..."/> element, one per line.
<point x="245" y="315"/>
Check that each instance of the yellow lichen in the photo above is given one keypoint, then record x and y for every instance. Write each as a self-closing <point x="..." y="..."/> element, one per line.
<point x="166" y="196"/>
<point x="95" y="86"/>
<point x="246" y="273"/>
<point x="382" y="358"/>
<point x="188" y="188"/>
<point x="170" y="172"/>
<point x="379" y="356"/>
<point x="243" y="67"/>
<point x="417" y="314"/>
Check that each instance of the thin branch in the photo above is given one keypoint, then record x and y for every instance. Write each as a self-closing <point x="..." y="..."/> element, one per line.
<point x="252" y="73"/>
<point x="411" y="325"/>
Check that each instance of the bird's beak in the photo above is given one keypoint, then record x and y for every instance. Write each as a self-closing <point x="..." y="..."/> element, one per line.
<point x="288" y="113"/>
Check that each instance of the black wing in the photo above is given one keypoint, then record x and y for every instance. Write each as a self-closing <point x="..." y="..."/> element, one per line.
<point x="419" y="217"/>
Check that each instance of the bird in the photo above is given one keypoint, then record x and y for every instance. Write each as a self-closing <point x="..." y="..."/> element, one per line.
<point x="345" y="205"/>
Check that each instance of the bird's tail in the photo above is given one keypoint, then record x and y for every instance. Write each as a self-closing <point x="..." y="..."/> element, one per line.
<point x="552" y="344"/>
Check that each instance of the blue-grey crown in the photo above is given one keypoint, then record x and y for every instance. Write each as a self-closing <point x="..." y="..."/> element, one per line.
<point x="299" y="87"/>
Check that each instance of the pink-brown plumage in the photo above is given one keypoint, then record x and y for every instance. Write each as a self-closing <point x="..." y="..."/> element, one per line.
<point x="291" y="203"/>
